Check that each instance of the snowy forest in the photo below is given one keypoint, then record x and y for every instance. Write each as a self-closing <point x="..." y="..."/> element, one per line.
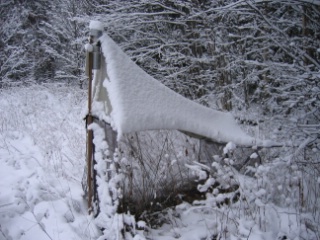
<point x="256" y="59"/>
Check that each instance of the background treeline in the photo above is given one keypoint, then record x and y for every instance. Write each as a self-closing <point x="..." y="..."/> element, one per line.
<point x="257" y="57"/>
<point x="40" y="41"/>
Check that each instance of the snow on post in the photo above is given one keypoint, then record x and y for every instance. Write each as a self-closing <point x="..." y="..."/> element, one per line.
<point x="96" y="25"/>
<point x="96" y="29"/>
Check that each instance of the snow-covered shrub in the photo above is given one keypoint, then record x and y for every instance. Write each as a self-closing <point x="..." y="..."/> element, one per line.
<point x="278" y="198"/>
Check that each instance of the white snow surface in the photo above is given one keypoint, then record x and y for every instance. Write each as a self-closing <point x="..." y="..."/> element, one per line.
<point x="139" y="102"/>
<point x="229" y="147"/>
<point x="254" y="155"/>
<point x="88" y="47"/>
<point x="96" y="25"/>
<point x="42" y="156"/>
<point x="41" y="164"/>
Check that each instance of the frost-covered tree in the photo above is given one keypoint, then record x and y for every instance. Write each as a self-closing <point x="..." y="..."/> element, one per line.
<point x="66" y="38"/>
<point x="41" y="41"/>
<point x="14" y="62"/>
<point x="24" y="41"/>
<point x="272" y="59"/>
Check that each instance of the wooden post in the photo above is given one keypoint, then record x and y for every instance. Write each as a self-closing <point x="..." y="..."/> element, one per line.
<point x="89" y="131"/>
<point x="93" y="61"/>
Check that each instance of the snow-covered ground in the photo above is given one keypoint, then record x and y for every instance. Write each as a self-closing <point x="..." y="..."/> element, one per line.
<point x="42" y="146"/>
<point x="42" y="149"/>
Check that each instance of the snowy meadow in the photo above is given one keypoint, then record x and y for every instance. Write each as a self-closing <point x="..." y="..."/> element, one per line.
<point x="42" y="153"/>
<point x="42" y="150"/>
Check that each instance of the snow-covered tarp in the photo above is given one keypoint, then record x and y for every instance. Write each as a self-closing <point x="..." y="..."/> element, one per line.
<point x="135" y="101"/>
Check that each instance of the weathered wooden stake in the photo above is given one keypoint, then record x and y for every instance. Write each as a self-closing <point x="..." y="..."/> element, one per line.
<point x="89" y="131"/>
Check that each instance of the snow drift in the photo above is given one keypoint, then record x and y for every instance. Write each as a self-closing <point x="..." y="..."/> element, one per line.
<point x="135" y="101"/>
